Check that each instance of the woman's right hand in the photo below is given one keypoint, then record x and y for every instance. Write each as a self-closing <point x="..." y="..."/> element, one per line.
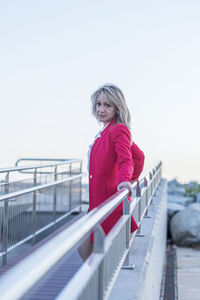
<point x="127" y="185"/>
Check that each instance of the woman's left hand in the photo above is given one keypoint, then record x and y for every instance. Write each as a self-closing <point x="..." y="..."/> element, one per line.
<point x="125" y="184"/>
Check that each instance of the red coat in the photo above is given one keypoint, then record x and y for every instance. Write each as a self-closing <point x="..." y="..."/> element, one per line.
<point x="110" y="164"/>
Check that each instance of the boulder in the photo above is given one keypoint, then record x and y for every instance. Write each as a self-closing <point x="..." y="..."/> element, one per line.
<point x="195" y="206"/>
<point x="185" y="226"/>
<point x="173" y="208"/>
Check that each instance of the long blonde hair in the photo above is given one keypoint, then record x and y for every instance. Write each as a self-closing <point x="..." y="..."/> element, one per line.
<point x="115" y="95"/>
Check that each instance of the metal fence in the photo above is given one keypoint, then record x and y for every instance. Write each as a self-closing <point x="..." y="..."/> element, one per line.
<point x="95" y="278"/>
<point x="24" y="176"/>
<point x="30" y="206"/>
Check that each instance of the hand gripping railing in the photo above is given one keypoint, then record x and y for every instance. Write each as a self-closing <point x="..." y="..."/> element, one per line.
<point x="96" y="276"/>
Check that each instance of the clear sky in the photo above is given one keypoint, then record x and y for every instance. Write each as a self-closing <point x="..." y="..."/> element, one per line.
<point x="54" y="54"/>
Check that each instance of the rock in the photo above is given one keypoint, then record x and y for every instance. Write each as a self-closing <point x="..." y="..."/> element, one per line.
<point x="195" y="206"/>
<point x="185" y="226"/>
<point x="173" y="208"/>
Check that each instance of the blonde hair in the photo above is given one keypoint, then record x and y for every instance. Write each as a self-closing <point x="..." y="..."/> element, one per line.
<point x="115" y="95"/>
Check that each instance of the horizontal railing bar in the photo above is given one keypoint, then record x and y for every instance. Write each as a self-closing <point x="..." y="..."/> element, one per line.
<point x="41" y="159"/>
<point x="14" y="169"/>
<point x="23" y="181"/>
<point x="39" y="187"/>
<point x="48" y="172"/>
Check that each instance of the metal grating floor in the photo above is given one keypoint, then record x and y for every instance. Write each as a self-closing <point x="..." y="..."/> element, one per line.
<point x="49" y="287"/>
<point x="170" y="281"/>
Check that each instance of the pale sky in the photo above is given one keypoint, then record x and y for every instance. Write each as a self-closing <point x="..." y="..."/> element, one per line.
<point x="54" y="54"/>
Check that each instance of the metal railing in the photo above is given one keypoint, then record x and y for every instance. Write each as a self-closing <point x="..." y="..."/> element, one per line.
<point x="95" y="278"/>
<point x="32" y="208"/>
<point x="10" y="180"/>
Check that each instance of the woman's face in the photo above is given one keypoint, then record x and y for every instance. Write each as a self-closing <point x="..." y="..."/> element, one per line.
<point x="105" y="109"/>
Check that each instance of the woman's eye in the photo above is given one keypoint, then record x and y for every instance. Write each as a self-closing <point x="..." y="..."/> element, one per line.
<point x="107" y="105"/>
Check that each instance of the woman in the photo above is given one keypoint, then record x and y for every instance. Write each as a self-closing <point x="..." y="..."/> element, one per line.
<point x="111" y="165"/>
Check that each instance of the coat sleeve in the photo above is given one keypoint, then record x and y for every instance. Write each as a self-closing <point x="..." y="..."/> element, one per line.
<point x="121" y="140"/>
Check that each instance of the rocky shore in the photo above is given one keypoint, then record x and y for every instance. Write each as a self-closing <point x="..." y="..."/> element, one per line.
<point x="183" y="214"/>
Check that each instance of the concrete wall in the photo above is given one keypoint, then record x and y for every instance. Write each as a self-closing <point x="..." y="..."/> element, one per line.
<point x="148" y="255"/>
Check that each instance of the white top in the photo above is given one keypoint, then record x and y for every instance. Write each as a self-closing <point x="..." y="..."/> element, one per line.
<point x="98" y="135"/>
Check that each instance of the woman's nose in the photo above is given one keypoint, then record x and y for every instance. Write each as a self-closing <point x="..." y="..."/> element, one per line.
<point x="101" y="108"/>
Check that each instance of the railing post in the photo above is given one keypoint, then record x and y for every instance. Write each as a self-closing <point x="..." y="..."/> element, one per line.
<point x="99" y="244"/>
<point x="126" y="211"/>
<point x="151" y="186"/>
<point x="55" y="195"/>
<point x="70" y="187"/>
<point x="138" y="196"/>
<point x="6" y="186"/>
<point x="5" y="233"/>
<point x="147" y="199"/>
<point x="5" y="222"/>
<point x="34" y="207"/>
<point x="80" y="189"/>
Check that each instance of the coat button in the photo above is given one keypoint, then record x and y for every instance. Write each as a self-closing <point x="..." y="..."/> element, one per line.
<point x="90" y="176"/>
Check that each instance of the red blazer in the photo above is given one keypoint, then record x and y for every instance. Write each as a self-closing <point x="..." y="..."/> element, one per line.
<point x="110" y="164"/>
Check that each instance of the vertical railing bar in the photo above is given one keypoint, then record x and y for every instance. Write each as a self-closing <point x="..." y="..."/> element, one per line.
<point x="5" y="222"/>
<point x="99" y="247"/>
<point x="146" y="198"/>
<point x="70" y="188"/>
<point x="138" y="196"/>
<point x="80" y="189"/>
<point x="55" y="194"/>
<point x="5" y="233"/>
<point x="126" y="211"/>
<point x="34" y="208"/>
<point x="6" y="186"/>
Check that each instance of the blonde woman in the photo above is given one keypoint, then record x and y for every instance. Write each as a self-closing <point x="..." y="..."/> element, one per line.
<point x="111" y="164"/>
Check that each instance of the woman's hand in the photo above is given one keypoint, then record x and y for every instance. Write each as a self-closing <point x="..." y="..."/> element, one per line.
<point x="125" y="184"/>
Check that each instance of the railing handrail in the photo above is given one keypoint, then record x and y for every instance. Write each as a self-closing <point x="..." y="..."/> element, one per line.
<point x="14" y="169"/>
<point x="64" y="243"/>
<point x="39" y="187"/>
<point x="40" y="159"/>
